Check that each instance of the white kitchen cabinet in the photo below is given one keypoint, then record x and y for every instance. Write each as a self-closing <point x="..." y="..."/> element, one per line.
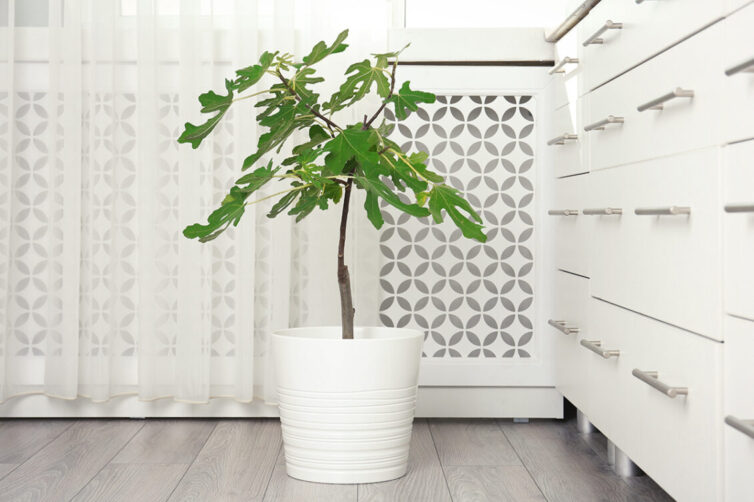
<point x="738" y="75"/>
<point x="739" y="408"/>
<point x="667" y="266"/>
<point x="569" y="226"/>
<point x="684" y="81"/>
<point x="568" y="325"/>
<point x="631" y="32"/>
<point x="738" y="240"/>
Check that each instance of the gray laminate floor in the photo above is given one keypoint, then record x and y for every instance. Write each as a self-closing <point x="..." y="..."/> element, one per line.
<point x="242" y="460"/>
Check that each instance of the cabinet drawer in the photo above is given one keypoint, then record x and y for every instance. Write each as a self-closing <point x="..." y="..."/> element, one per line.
<point x="677" y="441"/>
<point x="612" y="410"/>
<point x="686" y="80"/>
<point x="665" y="266"/>
<point x="738" y="75"/>
<point x="564" y="141"/>
<point x="569" y="231"/>
<point x="648" y="28"/>
<point x="569" y="312"/>
<point x="569" y="76"/>
<point x="739" y="404"/>
<point x="739" y="228"/>
<point x="680" y="437"/>
<point x="732" y="5"/>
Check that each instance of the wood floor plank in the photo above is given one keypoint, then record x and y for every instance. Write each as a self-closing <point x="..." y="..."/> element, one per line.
<point x="510" y="483"/>
<point x="167" y="442"/>
<point x="597" y="442"/>
<point x="6" y="468"/>
<point x="424" y="482"/>
<point x="472" y="442"/>
<point x="235" y="464"/>
<point x="129" y="482"/>
<point x="551" y="437"/>
<point x="61" y="468"/>
<point x="645" y="489"/>
<point x="283" y="488"/>
<point x="20" y="439"/>
<point x="564" y="467"/>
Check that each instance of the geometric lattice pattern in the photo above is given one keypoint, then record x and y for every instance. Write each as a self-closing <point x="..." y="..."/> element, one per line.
<point x="472" y="300"/>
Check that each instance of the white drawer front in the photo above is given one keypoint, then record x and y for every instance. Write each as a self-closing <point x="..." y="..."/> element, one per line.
<point x="739" y="229"/>
<point x="564" y="142"/>
<point x="739" y="86"/>
<point x="739" y="404"/>
<point x="603" y="61"/>
<point x="687" y="77"/>
<point x="569" y="243"/>
<point x="647" y="28"/>
<point x="677" y="441"/>
<point x="612" y="408"/>
<point x="569" y="311"/>
<point x="667" y="266"/>
<point x="732" y="5"/>
<point x="680" y="437"/>
<point x="569" y="76"/>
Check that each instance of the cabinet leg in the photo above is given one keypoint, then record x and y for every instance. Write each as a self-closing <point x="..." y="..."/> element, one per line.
<point x="610" y="453"/>
<point x="623" y="466"/>
<point x="583" y="424"/>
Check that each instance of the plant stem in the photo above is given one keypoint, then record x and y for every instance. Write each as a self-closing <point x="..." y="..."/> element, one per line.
<point x="251" y="95"/>
<point x="287" y="85"/>
<point x="344" y="279"/>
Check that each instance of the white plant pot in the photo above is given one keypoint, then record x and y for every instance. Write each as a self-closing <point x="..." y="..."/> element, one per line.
<point x="346" y="406"/>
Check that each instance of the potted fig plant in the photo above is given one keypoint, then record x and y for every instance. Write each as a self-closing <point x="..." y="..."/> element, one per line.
<point x="346" y="395"/>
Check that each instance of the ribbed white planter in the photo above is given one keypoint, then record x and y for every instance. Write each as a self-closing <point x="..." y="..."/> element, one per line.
<point x="346" y="406"/>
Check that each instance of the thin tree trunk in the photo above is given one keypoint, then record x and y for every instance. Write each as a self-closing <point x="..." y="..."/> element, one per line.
<point x="344" y="279"/>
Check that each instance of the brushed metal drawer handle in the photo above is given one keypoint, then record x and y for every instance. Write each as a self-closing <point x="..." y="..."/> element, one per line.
<point x="558" y="68"/>
<point x="745" y="67"/>
<point x="563" y="212"/>
<point x="739" y="208"/>
<point x="651" y="378"/>
<point x="560" y="140"/>
<point x="603" y="211"/>
<point x="595" y="39"/>
<point x="659" y="103"/>
<point x="745" y="426"/>
<point x="661" y="211"/>
<point x="600" y="125"/>
<point x="561" y="326"/>
<point x="596" y="347"/>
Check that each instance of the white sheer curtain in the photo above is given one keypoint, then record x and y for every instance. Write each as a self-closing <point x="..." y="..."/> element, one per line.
<point x="100" y="294"/>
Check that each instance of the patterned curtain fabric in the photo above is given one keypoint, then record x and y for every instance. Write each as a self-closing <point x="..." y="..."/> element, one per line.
<point x="100" y="294"/>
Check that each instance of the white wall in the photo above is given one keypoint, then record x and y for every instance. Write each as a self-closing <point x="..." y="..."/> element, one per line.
<point x="483" y="13"/>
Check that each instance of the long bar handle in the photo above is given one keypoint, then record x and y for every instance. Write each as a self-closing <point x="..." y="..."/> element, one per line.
<point x="563" y="328"/>
<point x="600" y="125"/>
<point x="739" y="208"/>
<point x="651" y="378"/>
<point x="560" y="140"/>
<point x="558" y="68"/>
<point x="661" y="211"/>
<point x="745" y="426"/>
<point x="603" y="211"/>
<point x="745" y="67"/>
<point x="563" y="212"/>
<point x="596" y="347"/>
<point x="595" y="39"/>
<point x="659" y="103"/>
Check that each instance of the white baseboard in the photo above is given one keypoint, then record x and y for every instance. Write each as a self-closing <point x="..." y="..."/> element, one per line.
<point x="489" y="402"/>
<point x="501" y="402"/>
